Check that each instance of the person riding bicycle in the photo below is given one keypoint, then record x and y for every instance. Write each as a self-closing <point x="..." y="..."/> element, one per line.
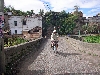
<point x="54" y="37"/>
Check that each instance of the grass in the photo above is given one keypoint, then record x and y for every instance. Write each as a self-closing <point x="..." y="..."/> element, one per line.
<point x="92" y="39"/>
<point x="89" y="53"/>
<point x="92" y="54"/>
<point x="95" y="55"/>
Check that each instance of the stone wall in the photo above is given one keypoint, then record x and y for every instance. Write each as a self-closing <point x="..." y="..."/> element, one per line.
<point x="35" y="35"/>
<point x="93" y="48"/>
<point x="15" y="53"/>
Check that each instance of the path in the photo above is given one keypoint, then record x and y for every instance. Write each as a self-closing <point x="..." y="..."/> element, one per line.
<point x="67" y="60"/>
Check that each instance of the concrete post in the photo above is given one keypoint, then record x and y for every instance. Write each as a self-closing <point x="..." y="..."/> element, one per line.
<point x="1" y="5"/>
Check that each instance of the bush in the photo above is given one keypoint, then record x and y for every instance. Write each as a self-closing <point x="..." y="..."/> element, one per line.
<point x="92" y="39"/>
<point x="14" y="41"/>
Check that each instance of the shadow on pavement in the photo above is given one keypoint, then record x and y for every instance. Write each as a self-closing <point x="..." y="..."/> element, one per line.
<point x="95" y="73"/>
<point x="33" y="72"/>
<point x="40" y="72"/>
<point x="30" y="58"/>
<point x="43" y="72"/>
<point x="67" y="54"/>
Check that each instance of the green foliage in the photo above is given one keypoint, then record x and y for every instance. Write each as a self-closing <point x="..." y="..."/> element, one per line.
<point x="14" y="41"/>
<point x="17" y="12"/>
<point x="85" y="27"/>
<point x="92" y="39"/>
<point x="63" y="20"/>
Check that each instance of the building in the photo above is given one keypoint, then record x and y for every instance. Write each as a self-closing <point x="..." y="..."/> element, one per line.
<point x="15" y="23"/>
<point x="95" y="20"/>
<point x="26" y="25"/>
<point x="31" y="22"/>
<point x="32" y="25"/>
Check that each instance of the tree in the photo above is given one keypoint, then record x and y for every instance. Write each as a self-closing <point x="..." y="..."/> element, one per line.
<point x="65" y="21"/>
<point x="41" y="12"/>
<point x="6" y="9"/>
<point x="76" y="8"/>
<point x="32" y="12"/>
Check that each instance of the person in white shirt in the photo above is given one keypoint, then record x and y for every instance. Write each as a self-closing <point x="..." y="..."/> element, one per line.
<point x="54" y="37"/>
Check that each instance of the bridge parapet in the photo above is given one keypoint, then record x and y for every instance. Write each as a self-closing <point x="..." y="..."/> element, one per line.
<point x="14" y="54"/>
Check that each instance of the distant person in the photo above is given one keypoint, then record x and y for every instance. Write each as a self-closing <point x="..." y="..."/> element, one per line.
<point x="54" y="37"/>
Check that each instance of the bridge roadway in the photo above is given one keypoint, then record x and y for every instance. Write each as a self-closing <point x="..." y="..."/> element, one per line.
<point x="66" y="62"/>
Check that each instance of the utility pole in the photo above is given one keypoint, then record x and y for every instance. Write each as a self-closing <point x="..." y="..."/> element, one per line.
<point x="1" y="5"/>
<point x="2" y="53"/>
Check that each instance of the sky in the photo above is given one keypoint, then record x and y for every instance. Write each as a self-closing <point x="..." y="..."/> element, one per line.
<point x="88" y="7"/>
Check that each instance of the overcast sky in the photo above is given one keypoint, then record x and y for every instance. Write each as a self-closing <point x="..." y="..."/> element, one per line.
<point x="88" y="7"/>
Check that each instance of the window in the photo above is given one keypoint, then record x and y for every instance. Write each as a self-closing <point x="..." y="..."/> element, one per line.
<point x="15" y="22"/>
<point x="24" y="22"/>
<point x="15" y="31"/>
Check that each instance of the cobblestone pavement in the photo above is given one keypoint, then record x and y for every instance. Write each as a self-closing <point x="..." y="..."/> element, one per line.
<point x="66" y="62"/>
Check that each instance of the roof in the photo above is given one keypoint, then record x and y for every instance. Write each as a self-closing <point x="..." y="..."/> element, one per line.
<point x="34" y="16"/>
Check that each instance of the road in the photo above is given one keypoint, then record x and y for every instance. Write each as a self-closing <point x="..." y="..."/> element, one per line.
<point x="66" y="62"/>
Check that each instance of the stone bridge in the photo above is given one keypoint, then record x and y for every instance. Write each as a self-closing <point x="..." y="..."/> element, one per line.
<point x="72" y="58"/>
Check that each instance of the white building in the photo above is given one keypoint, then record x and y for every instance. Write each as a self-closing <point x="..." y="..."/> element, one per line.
<point x="32" y="22"/>
<point x="18" y="24"/>
<point x="15" y="23"/>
